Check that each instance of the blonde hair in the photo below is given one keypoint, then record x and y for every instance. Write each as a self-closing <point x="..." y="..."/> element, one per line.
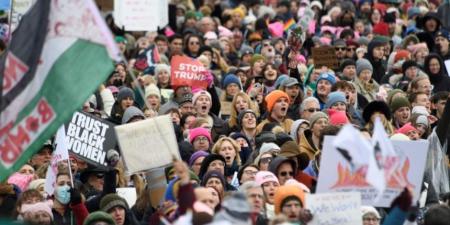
<point x="386" y="124"/>
<point x="236" y="146"/>
<point x="414" y="83"/>
<point x="232" y="122"/>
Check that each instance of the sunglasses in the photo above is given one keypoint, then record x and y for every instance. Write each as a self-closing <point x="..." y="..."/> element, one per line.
<point x="284" y="174"/>
<point x="311" y="110"/>
<point x="351" y="49"/>
<point x="340" y="48"/>
<point x="266" y="160"/>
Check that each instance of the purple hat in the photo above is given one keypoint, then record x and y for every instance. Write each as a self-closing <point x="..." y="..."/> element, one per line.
<point x="197" y="155"/>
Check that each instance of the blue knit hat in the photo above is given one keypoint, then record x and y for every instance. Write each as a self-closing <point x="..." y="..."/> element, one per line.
<point x="327" y="76"/>
<point x="335" y="97"/>
<point x="231" y="79"/>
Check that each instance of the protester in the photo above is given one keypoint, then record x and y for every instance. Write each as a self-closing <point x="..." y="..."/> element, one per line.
<point x="252" y="89"/>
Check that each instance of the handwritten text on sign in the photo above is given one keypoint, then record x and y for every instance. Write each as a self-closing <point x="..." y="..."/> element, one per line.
<point x="335" y="208"/>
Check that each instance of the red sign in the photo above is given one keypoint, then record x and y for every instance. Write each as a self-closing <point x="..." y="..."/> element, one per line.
<point x="188" y="72"/>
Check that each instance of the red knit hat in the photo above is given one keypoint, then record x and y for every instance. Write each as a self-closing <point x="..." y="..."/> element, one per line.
<point x="402" y="54"/>
<point x="337" y="118"/>
<point x="381" y="28"/>
<point x="273" y="97"/>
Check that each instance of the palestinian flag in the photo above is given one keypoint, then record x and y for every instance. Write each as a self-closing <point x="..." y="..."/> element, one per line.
<point x="59" y="55"/>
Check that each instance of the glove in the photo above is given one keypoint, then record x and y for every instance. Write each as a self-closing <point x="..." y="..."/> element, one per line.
<point x="209" y="78"/>
<point x="112" y="157"/>
<point x="403" y="201"/>
<point x="75" y="196"/>
<point x="305" y="216"/>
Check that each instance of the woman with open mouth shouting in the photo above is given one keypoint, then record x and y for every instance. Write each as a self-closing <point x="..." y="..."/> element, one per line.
<point x="229" y="149"/>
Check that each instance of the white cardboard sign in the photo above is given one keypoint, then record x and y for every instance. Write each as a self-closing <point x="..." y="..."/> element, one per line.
<point x="335" y="208"/>
<point x="147" y="144"/>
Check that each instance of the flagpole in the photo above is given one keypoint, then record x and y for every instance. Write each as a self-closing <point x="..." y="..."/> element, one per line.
<point x="11" y="6"/>
<point x="70" y="173"/>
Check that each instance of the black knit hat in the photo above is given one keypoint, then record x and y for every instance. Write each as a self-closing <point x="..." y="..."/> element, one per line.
<point x="407" y="64"/>
<point x="242" y="114"/>
<point x="347" y="62"/>
<point x="213" y="174"/>
<point x="208" y="160"/>
<point x="376" y="106"/>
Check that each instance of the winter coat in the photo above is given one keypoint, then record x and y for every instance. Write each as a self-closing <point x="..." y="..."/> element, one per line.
<point x="286" y="125"/>
<point x="307" y="145"/>
<point x="370" y="95"/>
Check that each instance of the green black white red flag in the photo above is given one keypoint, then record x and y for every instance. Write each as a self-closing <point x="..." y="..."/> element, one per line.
<point x="59" y="54"/>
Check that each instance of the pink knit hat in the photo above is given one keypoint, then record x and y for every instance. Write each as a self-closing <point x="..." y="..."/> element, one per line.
<point x="21" y="180"/>
<point x="199" y="92"/>
<point x="337" y="118"/>
<point x="265" y="176"/>
<point x="37" y="207"/>
<point x="199" y="131"/>
<point x="405" y="129"/>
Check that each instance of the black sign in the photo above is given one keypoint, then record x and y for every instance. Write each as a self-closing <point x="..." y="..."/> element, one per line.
<point x="90" y="137"/>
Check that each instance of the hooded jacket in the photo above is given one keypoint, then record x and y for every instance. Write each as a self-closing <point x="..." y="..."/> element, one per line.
<point x="440" y="81"/>
<point x="378" y="68"/>
<point x="307" y="145"/>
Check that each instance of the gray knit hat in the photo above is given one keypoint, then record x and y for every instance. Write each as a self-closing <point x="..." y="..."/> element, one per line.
<point x="130" y="113"/>
<point x="316" y="116"/>
<point x="363" y="64"/>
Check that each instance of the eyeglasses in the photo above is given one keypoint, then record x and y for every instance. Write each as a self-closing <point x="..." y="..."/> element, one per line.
<point x="284" y="173"/>
<point x="311" y="110"/>
<point x="340" y="48"/>
<point x="430" y="87"/>
<point x="266" y="160"/>
<point x="201" y="139"/>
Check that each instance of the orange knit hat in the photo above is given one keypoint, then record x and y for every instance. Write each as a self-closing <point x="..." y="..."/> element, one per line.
<point x="273" y="97"/>
<point x="286" y="191"/>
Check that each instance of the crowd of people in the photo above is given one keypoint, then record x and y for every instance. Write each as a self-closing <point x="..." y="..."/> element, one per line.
<point x="251" y="142"/>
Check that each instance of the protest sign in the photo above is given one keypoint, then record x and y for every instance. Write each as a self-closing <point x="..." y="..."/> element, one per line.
<point x="447" y="66"/>
<point x="336" y="174"/>
<point x="18" y="9"/>
<point x="335" y="208"/>
<point x="188" y="72"/>
<point x="90" y="137"/>
<point x="141" y="15"/>
<point x="153" y="138"/>
<point x="58" y="155"/>
<point x="325" y="56"/>
<point x="129" y="194"/>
